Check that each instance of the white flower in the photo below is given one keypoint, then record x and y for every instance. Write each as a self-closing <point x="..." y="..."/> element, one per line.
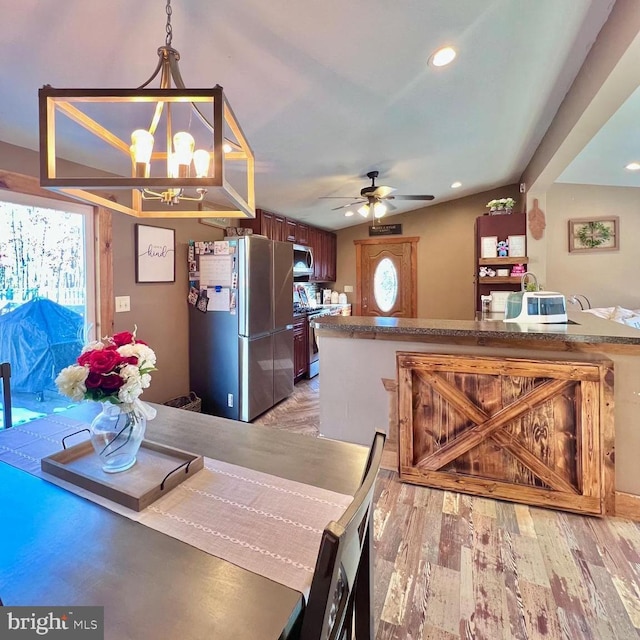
<point x="145" y="380"/>
<point x="70" y="382"/>
<point x="146" y="356"/>
<point x="92" y="346"/>
<point x="132" y="387"/>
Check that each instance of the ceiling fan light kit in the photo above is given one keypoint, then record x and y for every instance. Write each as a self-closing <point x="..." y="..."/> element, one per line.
<point x="173" y="163"/>
<point x="376" y="198"/>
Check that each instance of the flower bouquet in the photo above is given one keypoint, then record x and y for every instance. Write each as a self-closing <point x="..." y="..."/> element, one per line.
<point x="502" y="204"/>
<point x="113" y="371"/>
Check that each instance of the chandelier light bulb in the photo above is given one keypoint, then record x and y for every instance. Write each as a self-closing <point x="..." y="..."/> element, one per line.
<point x="201" y="160"/>
<point x="364" y="210"/>
<point x="141" y="149"/>
<point x="379" y="209"/>
<point x="183" y="144"/>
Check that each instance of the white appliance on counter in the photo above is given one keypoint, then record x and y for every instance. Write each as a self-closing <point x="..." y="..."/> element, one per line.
<point x="536" y="307"/>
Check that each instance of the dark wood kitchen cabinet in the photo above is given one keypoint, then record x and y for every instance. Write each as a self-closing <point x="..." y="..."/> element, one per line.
<point x="292" y="230"/>
<point x="302" y="234"/>
<point x="323" y="243"/>
<point x="279" y="228"/>
<point x="324" y="253"/>
<point x="300" y="348"/>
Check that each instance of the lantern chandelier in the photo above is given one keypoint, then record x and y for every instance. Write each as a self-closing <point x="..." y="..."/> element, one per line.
<point x="163" y="171"/>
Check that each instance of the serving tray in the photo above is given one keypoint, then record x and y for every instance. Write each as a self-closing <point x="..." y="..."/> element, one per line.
<point x="157" y="470"/>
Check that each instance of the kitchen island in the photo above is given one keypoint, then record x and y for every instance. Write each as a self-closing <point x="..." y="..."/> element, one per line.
<point x="577" y="407"/>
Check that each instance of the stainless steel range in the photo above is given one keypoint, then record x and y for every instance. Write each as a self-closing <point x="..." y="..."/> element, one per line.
<point x="314" y="351"/>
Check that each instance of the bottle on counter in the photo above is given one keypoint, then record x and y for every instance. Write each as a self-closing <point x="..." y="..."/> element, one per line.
<point x="485" y="302"/>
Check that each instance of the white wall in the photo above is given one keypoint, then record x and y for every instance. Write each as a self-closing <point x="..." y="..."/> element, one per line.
<point x="607" y="278"/>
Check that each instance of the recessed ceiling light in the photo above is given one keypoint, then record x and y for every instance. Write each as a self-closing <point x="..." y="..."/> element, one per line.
<point x="633" y="166"/>
<point x="348" y="214"/>
<point x="442" y="57"/>
<point x="456" y="185"/>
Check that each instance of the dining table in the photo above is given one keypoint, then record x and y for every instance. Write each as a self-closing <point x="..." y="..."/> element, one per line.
<point x="60" y="549"/>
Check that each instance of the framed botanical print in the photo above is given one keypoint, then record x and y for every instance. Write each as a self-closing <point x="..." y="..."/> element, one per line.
<point x="594" y="234"/>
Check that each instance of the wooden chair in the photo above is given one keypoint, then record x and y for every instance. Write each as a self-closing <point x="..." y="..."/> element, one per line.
<point x="341" y="593"/>
<point x="5" y="375"/>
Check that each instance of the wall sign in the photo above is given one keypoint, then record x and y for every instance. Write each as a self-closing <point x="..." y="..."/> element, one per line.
<point x="385" y="230"/>
<point x="155" y="254"/>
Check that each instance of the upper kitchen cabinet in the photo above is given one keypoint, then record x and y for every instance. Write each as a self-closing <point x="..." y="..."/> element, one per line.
<point x="302" y="234"/>
<point x="262" y="224"/>
<point x="323" y="243"/>
<point x="292" y="230"/>
<point x="279" y="228"/>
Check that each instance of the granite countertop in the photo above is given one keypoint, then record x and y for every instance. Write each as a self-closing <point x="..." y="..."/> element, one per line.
<point x="587" y="329"/>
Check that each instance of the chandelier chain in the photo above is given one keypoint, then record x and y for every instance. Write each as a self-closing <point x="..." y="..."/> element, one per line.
<point x="169" y="30"/>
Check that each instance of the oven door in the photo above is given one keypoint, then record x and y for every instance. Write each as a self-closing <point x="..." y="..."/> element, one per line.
<point x="314" y="353"/>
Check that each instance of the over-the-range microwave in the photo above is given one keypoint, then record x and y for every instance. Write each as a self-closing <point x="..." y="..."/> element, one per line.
<point x="302" y="260"/>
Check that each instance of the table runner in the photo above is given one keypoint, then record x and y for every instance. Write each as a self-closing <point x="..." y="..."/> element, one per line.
<point x="265" y="524"/>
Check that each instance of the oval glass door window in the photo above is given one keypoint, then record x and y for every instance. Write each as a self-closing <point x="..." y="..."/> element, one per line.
<point x="385" y="285"/>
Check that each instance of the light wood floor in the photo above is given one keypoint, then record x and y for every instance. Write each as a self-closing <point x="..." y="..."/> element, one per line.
<point x="452" y="566"/>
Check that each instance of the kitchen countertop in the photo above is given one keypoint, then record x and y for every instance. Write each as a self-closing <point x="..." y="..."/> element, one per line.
<point x="587" y="329"/>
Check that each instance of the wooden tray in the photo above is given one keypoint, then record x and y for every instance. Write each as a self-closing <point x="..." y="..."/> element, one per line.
<point x="138" y="487"/>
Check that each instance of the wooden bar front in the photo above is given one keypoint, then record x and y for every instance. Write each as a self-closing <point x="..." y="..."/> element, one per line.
<point x="533" y="431"/>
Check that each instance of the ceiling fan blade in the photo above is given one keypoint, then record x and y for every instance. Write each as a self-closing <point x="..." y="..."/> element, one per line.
<point x="411" y="197"/>
<point x="383" y="192"/>
<point x="346" y="206"/>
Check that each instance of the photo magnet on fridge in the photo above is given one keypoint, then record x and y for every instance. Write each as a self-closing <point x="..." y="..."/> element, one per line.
<point x="193" y="296"/>
<point x="203" y="301"/>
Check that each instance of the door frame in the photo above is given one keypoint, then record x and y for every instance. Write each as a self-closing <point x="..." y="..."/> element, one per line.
<point x="413" y="241"/>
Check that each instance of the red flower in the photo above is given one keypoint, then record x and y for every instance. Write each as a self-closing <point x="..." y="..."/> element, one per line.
<point x="104" y="361"/>
<point x="84" y="359"/>
<point x="111" y="382"/>
<point x="93" y="381"/>
<point x="122" y="338"/>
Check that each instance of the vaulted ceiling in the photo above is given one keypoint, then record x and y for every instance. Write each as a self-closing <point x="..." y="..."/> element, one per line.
<point x="326" y="91"/>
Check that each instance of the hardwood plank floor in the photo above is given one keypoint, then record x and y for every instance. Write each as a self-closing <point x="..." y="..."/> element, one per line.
<point x="450" y="566"/>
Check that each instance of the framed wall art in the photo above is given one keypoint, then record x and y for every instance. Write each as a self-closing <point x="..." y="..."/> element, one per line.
<point x="155" y="254"/>
<point x="517" y="246"/>
<point x="488" y="246"/>
<point x="594" y="234"/>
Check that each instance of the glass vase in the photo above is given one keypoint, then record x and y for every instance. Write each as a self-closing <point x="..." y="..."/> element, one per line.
<point x="116" y="436"/>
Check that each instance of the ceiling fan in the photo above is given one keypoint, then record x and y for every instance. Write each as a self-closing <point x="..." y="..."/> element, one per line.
<point x="376" y="198"/>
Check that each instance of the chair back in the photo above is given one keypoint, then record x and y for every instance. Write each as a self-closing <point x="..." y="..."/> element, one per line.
<point x="5" y="378"/>
<point x="344" y="561"/>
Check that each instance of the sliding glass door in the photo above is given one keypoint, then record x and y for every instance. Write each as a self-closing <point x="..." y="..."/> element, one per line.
<point x="47" y="294"/>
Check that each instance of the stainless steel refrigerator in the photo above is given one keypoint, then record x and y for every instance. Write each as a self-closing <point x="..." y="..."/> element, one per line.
<point x="241" y="357"/>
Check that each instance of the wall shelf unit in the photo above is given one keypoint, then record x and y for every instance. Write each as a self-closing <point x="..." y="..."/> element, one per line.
<point x="500" y="228"/>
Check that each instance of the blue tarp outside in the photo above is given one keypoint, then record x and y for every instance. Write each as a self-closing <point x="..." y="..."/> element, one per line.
<point x="39" y="338"/>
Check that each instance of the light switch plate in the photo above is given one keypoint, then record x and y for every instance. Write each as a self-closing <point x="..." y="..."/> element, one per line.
<point x="123" y="303"/>
<point x="348" y="288"/>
